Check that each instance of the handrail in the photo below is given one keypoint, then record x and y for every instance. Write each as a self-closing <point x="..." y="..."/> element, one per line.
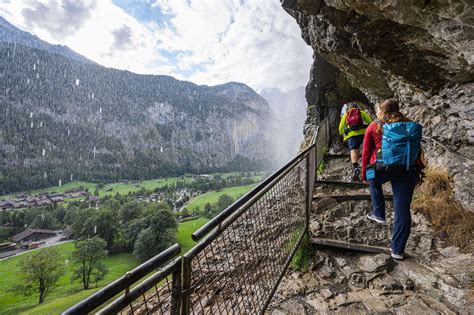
<point x="448" y="148"/>
<point x="253" y="195"/>
<point x="120" y="303"/>
<point x="200" y="233"/>
<point x="122" y="283"/>
<point x="176" y="297"/>
<point x="206" y="228"/>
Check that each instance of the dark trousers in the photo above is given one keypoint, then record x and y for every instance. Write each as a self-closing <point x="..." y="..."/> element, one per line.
<point x="403" y="185"/>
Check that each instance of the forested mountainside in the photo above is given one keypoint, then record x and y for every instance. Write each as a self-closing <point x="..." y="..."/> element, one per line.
<point x="61" y="119"/>
<point x="419" y="52"/>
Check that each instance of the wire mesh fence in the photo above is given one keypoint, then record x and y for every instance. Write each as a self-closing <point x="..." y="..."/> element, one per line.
<point x="242" y="263"/>
<point x="159" y="294"/>
<point x="321" y="141"/>
<point x="243" y="254"/>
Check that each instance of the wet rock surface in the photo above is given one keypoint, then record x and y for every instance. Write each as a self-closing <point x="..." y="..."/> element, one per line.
<point x="419" y="52"/>
<point x="434" y="279"/>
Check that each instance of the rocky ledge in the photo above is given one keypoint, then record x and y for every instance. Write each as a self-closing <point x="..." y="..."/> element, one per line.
<point x="353" y="283"/>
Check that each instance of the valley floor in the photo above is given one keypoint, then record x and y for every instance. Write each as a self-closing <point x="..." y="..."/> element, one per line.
<point x="67" y="294"/>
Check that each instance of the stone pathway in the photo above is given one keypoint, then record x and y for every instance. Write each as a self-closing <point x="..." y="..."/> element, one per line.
<point x="435" y="279"/>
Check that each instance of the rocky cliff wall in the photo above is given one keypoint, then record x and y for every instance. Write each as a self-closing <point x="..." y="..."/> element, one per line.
<point x="419" y="52"/>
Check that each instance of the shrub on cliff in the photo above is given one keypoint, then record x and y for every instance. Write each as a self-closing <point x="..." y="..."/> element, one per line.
<point x="435" y="199"/>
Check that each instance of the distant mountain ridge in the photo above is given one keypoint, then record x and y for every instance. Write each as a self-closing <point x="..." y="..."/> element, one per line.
<point x="64" y="119"/>
<point x="11" y="34"/>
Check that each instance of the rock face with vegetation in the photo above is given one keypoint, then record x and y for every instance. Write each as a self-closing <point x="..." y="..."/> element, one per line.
<point x="64" y="119"/>
<point x="419" y="52"/>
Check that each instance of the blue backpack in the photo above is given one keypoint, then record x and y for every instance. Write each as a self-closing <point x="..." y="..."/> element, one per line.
<point x="401" y="144"/>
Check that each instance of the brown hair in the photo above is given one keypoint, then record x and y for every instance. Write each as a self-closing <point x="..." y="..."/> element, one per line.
<point x="389" y="112"/>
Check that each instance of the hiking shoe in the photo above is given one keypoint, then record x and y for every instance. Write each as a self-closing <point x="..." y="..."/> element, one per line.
<point x="395" y="255"/>
<point x="356" y="175"/>
<point x="376" y="219"/>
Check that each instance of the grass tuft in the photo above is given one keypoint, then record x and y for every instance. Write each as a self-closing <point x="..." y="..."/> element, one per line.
<point x="437" y="181"/>
<point x="435" y="199"/>
<point x="302" y="257"/>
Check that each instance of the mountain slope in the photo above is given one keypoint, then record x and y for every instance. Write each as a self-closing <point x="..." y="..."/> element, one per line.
<point x="62" y="119"/>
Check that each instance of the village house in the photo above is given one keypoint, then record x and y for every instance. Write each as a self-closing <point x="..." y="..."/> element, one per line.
<point x="33" y="235"/>
<point x="56" y="199"/>
<point x="44" y="202"/>
<point x="7" y="204"/>
<point x="20" y="205"/>
<point x="68" y="233"/>
<point x="93" y="200"/>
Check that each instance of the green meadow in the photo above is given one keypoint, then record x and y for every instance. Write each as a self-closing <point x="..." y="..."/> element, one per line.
<point x="121" y="187"/>
<point x="213" y="196"/>
<point x="109" y="189"/>
<point x="62" y="296"/>
<point x="66" y="294"/>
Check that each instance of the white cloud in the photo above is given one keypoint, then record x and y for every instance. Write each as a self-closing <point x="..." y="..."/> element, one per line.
<point x="254" y="42"/>
<point x="209" y="41"/>
<point x="96" y="36"/>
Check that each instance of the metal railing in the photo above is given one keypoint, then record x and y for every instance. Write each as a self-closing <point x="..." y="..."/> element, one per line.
<point x="165" y="298"/>
<point x="242" y="254"/>
<point x="321" y="141"/>
<point x="436" y="143"/>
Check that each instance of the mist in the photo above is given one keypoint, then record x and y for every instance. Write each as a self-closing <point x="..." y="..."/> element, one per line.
<point x="290" y="113"/>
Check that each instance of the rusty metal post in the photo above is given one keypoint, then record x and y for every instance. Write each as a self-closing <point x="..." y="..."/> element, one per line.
<point x="306" y="190"/>
<point x="326" y="132"/>
<point x="310" y="180"/>
<point x="186" y="286"/>
<point x="176" y="289"/>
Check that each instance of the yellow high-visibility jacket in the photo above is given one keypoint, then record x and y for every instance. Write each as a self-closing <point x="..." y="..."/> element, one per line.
<point x="365" y="118"/>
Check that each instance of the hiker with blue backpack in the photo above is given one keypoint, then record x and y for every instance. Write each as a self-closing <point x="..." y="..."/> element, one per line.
<point x="391" y="153"/>
<point x="352" y="127"/>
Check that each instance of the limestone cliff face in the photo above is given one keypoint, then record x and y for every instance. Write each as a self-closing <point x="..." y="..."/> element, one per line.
<point x="419" y="52"/>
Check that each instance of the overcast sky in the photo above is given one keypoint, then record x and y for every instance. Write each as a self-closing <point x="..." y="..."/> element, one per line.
<point x="204" y="41"/>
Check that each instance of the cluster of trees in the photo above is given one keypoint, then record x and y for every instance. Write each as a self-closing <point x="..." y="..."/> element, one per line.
<point x="119" y="225"/>
<point x="48" y="217"/>
<point x="142" y="228"/>
<point x="124" y="224"/>
<point x="211" y="210"/>
<point x="41" y="270"/>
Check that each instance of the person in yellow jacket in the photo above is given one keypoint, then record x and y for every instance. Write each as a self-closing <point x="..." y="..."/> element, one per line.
<point x="352" y="127"/>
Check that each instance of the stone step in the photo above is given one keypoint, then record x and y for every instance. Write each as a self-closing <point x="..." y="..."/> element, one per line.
<point x="387" y="197"/>
<point x="352" y="246"/>
<point x="338" y="156"/>
<point x="340" y="183"/>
